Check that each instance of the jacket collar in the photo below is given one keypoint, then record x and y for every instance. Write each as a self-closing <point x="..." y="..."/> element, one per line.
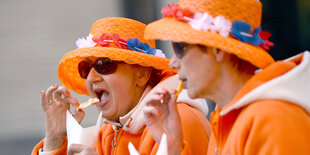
<point x="285" y="80"/>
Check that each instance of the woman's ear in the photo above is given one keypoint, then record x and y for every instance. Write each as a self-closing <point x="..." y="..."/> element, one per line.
<point x="143" y="75"/>
<point x="219" y="54"/>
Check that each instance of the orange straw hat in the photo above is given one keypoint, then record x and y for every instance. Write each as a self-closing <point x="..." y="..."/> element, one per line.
<point x="230" y="25"/>
<point x="116" y="38"/>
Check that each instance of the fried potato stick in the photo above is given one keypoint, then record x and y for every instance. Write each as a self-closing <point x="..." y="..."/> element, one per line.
<point x="90" y="102"/>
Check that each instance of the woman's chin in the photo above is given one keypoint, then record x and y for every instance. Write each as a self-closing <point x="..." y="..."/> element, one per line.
<point x="192" y="94"/>
<point x="107" y="115"/>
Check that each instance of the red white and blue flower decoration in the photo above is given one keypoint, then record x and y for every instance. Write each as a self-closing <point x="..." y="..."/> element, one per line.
<point x="106" y="39"/>
<point x="206" y="22"/>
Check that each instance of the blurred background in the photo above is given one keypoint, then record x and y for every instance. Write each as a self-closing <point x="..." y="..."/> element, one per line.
<point x="34" y="35"/>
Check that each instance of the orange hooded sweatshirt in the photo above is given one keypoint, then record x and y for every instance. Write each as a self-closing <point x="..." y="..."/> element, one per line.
<point x="114" y="139"/>
<point x="269" y="115"/>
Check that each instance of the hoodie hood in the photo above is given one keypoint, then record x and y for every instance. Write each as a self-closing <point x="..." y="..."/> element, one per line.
<point x="134" y="122"/>
<point x="284" y="80"/>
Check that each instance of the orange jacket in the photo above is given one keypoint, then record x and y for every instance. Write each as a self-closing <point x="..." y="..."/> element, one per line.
<point x="269" y="115"/>
<point x="114" y="140"/>
<point x="194" y="124"/>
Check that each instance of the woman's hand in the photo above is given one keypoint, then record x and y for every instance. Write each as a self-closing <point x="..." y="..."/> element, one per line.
<point x="162" y="116"/>
<point x="81" y="149"/>
<point x="55" y="103"/>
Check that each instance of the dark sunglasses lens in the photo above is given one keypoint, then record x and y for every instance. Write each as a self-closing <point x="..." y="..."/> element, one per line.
<point x="105" y="66"/>
<point x="84" y="68"/>
<point x="179" y="49"/>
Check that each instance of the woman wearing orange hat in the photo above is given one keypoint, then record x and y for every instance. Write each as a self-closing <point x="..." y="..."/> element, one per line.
<point x="120" y="68"/>
<point x="218" y="45"/>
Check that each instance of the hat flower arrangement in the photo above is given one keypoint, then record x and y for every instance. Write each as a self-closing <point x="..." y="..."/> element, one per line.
<point x="219" y="24"/>
<point x="105" y="39"/>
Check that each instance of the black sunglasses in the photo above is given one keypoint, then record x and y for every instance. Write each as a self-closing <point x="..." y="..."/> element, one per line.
<point x="102" y="66"/>
<point x="179" y="48"/>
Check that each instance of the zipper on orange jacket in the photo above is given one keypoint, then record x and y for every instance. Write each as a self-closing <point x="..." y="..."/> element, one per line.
<point x="216" y="122"/>
<point x="113" y="143"/>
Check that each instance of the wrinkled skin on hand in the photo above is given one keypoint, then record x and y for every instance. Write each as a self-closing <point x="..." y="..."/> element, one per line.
<point x="162" y="116"/>
<point x="55" y="103"/>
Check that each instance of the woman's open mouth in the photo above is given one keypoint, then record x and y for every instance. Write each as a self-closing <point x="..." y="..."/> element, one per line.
<point x="103" y="96"/>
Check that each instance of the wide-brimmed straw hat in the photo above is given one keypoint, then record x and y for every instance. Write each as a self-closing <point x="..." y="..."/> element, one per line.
<point x="117" y="38"/>
<point x="230" y="25"/>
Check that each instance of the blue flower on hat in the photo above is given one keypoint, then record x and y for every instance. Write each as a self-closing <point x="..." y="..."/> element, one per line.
<point x="241" y="31"/>
<point x="132" y="43"/>
<point x="147" y="48"/>
<point x="137" y="45"/>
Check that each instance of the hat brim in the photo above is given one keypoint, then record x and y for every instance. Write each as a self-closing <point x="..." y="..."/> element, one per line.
<point x="68" y="68"/>
<point x="173" y="30"/>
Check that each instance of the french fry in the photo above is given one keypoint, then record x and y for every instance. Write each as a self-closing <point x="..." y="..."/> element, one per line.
<point x="88" y="103"/>
<point x="179" y="89"/>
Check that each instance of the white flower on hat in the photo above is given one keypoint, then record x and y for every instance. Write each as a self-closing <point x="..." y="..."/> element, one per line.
<point x="88" y="42"/>
<point x="205" y="22"/>
<point x="221" y="25"/>
<point x="160" y="53"/>
<point x="201" y="21"/>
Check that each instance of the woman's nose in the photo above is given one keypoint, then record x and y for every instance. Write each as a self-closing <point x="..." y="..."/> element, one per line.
<point x="174" y="64"/>
<point x="94" y="76"/>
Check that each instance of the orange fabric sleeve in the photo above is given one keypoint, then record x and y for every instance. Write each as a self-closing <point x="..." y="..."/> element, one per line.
<point x="62" y="150"/>
<point x="196" y="130"/>
<point x="185" y="150"/>
<point x="36" y="149"/>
